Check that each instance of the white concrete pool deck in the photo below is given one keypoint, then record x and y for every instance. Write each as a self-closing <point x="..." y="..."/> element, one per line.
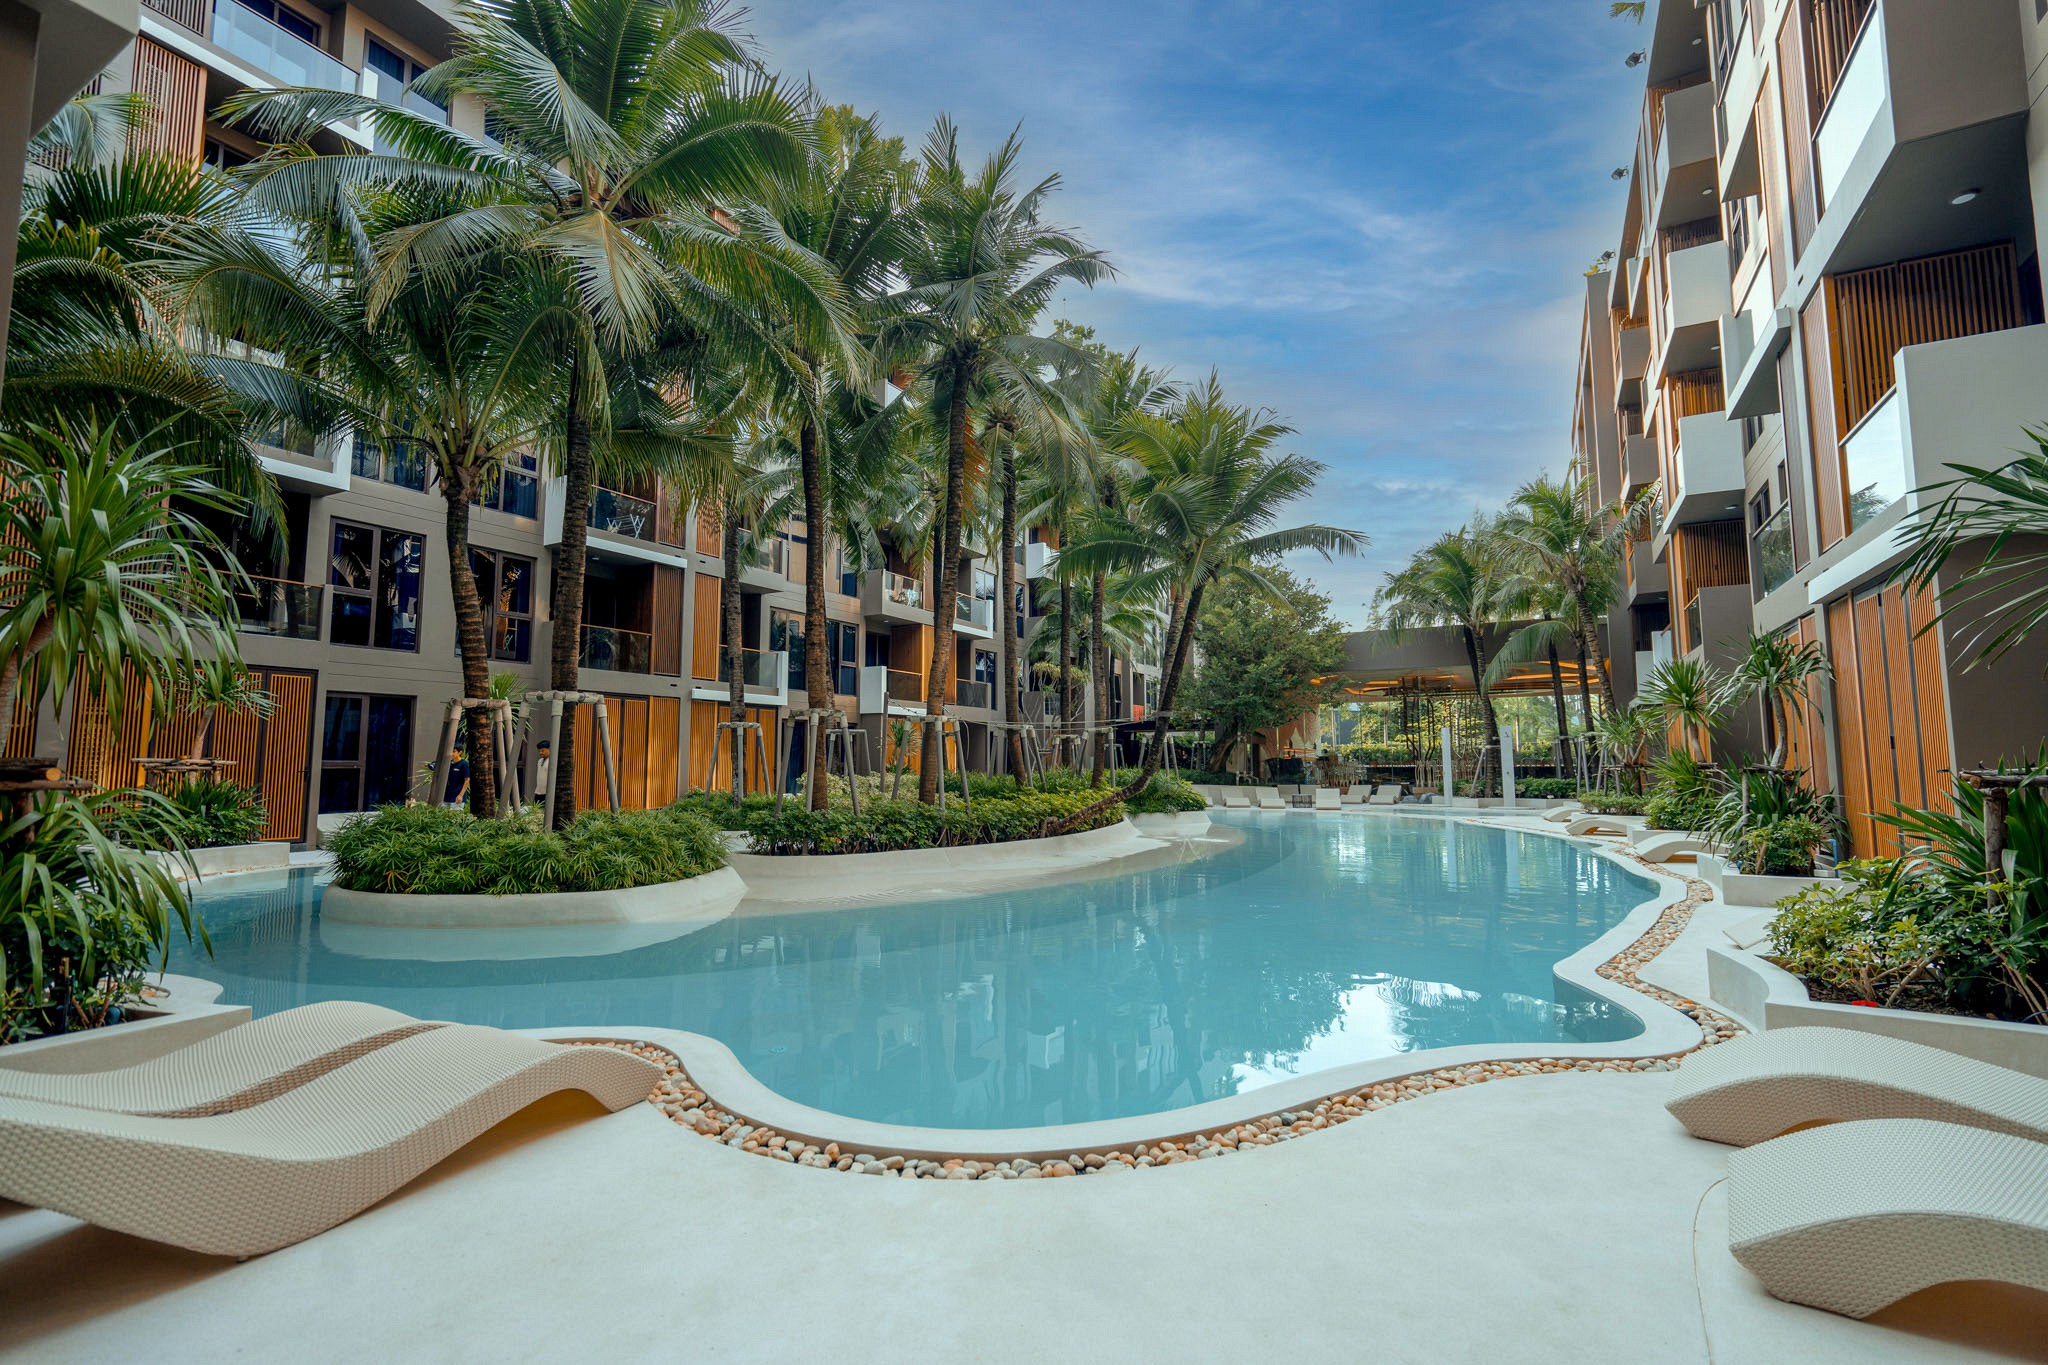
<point x="1548" y="1218"/>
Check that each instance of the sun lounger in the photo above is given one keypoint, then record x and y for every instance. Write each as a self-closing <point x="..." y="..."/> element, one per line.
<point x="1665" y="845"/>
<point x="1753" y="1088"/>
<point x="1389" y="794"/>
<point x="1856" y="1216"/>
<point x="1237" y="798"/>
<point x="252" y="1181"/>
<point x="1355" y="794"/>
<point x="1596" y="824"/>
<point x="1268" y="798"/>
<point x="233" y="1069"/>
<point x="1327" y="799"/>
<point x="1560" y="814"/>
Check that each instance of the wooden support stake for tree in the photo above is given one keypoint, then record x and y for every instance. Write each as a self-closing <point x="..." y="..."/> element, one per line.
<point x="611" y="762"/>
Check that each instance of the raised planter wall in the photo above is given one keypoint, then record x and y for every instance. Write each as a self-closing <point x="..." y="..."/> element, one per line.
<point x="1183" y="824"/>
<point x="707" y="898"/>
<point x="186" y="1015"/>
<point x="1764" y="994"/>
<point x="859" y="875"/>
<point x="1744" y="888"/>
<point x="219" y="862"/>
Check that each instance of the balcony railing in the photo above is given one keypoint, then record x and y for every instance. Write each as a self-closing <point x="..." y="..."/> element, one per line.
<point x="881" y="688"/>
<point x="621" y="514"/>
<point x="772" y="556"/>
<point x="1874" y="457"/>
<point x="978" y="695"/>
<point x="288" y="58"/>
<point x="977" y="612"/>
<point x="281" y="608"/>
<point x="1692" y="624"/>
<point x="1773" y="542"/>
<point x="619" y="651"/>
<point x="185" y="13"/>
<point x="903" y="590"/>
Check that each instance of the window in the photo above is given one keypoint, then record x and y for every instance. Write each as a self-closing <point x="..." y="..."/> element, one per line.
<point x="786" y="632"/>
<point x="365" y="752"/>
<point x="222" y="157"/>
<point x="399" y="463"/>
<point x="398" y="67"/>
<point x="984" y="584"/>
<point x="985" y="667"/>
<point x="516" y="490"/>
<point x="845" y="638"/>
<point x="373" y="578"/>
<point x="290" y="20"/>
<point x="505" y="583"/>
<point x="849" y="577"/>
<point x="878" y="649"/>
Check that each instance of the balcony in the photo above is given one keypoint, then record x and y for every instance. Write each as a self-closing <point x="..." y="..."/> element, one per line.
<point x="1039" y="558"/>
<point x="1771" y="553"/>
<point x="974" y="696"/>
<point x="764" y="679"/>
<point x="891" y="691"/>
<point x="621" y="514"/>
<point x="1639" y="463"/>
<point x="1718" y="622"/>
<point x="1699" y="292"/>
<point x="284" y="57"/>
<point x="893" y="597"/>
<point x="1648" y="580"/>
<point x="1036" y="706"/>
<point x="380" y="86"/>
<point x="1709" y="473"/>
<point x="1631" y="363"/>
<point x="617" y="650"/>
<point x="1682" y="175"/>
<point x="974" y="616"/>
<point x="771" y="564"/>
<point x="280" y="608"/>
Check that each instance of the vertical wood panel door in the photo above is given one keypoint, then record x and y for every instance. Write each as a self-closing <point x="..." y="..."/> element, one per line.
<point x="664" y="756"/>
<point x="176" y="90"/>
<point x="1849" y="723"/>
<point x="1891" y="703"/>
<point x="286" y="745"/>
<point x="704" y="629"/>
<point x="668" y="621"/>
<point x="633" y="756"/>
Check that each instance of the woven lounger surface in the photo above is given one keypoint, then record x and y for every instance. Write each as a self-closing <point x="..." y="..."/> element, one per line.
<point x="260" y="1178"/>
<point x="1751" y="1089"/>
<point x="1595" y="824"/>
<point x="233" y="1069"/>
<point x="1856" y="1216"/>
<point x="1663" y="848"/>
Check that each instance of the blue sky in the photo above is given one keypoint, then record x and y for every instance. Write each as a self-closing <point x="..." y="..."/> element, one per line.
<point x="1371" y="216"/>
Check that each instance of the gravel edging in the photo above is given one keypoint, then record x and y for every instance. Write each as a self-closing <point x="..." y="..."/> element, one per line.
<point x="678" y="1097"/>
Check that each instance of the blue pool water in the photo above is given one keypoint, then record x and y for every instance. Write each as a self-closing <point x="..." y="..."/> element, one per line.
<point x="1315" y="942"/>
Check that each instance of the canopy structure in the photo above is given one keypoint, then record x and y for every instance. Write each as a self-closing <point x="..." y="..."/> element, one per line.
<point x="1378" y="664"/>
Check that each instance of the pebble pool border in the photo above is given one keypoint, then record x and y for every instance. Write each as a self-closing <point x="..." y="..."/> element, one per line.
<point x="684" y="1103"/>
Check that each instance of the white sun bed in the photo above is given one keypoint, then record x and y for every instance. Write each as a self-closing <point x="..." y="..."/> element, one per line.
<point x="1751" y="1089"/>
<point x="1597" y="824"/>
<point x="1328" y="798"/>
<point x="1560" y="814"/>
<point x="1855" y="1216"/>
<point x="232" y="1069"/>
<point x="1355" y="794"/>
<point x="1665" y="845"/>
<point x="1268" y="798"/>
<point x="1237" y="798"/>
<point x="1389" y="794"/>
<point x="261" y="1178"/>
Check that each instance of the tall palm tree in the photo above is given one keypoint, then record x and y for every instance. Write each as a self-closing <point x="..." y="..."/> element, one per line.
<point x="981" y="266"/>
<point x="1204" y="488"/>
<point x="1562" y="536"/>
<point x="1456" y="582"/>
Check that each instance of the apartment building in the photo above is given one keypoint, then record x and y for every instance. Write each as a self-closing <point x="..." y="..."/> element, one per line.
<point x="1826" y="289"/>
<point x="351" y="628"/>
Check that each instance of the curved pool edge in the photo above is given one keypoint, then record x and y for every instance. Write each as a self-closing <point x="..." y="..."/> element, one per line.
<point x="1667" y="1032"/>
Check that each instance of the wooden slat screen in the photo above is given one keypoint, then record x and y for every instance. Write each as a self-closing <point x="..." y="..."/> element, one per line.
<point x="1831" y="28"/>
<point x="1805" y="744"/>
<point x="704" y="720"/>
<point x="704" y="629"/>
<point x="1798" y="121"/>
<point x="710" y="538"/>
<point x="1930" y="702"/>
<point x="1684" y="395"/>
<point x="286" y="747"/>
<point x="668" y="621"/>
<point x="176" y="91"/>
<point x="191" y="14"/>
<point x="1879" y="312"/>
<point x="644" y="735"/>
<point x="664" y="749"/>
<point x="1823" y="436"/>
<point x="98" y="752"/>
<point x="21" y="732"/>
<point x="1769" y="152"/>
<point x="1891" y="709"/>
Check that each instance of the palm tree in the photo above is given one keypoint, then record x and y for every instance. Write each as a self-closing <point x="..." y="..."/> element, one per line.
<point x="220" y="683"/>
<point x="1562" y="537"/>
<point x="1775" y="669"/>
<point x="980" y="268"/>
<point x="1625" y="737"/>
<point x="1540" y="638"/>
<point x="1204" y="487"/>
<point x="2001" y="597"/>
<point x="1686" y="693"/>
<point x="1456" y="582"/>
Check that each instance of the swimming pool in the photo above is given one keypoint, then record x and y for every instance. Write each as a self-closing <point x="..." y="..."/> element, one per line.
<point x="1315" y="942"/>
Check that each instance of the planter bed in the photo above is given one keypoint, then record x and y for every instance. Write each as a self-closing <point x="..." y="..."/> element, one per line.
<point x="1184" y="824"/>
<point x="1746" y="888"/>
<point x="1763" y="993"/>
<point x="185" y="1013"/>
<point x="708" y="898"/>
<point x="271" y="856"/>
<point x="908" y="872"/>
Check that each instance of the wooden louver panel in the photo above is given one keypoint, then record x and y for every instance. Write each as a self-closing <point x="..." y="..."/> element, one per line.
<point x="176" y="91"/>
<point x="1831" y="29"/>
<point x="1879" y="312"/>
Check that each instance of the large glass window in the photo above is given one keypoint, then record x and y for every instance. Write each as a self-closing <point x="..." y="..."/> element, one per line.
<point x="399" y="462"/>
<point x="286" y="18"/>
<point x="845" y="637"/>
<point x="516" y="490"/>
<point x="505" y="584"/>
<point x="374" y="587"/>
<point x="365" y="752"/>
<point x="786" y="632"/>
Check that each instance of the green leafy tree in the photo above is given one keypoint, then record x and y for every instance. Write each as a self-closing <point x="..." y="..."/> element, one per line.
<point x="1455" y="581"/>
<point x="1687" y="694"/>
<point x="1557" y="535"/>
<point x="1266" y="657"/>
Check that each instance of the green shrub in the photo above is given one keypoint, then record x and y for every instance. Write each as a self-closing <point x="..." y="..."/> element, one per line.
<point x="1783" y="848"/>
<point x="1672" y="808"/>
<point x="212" y="813"/>
<point x="1612" y="803"/>
<point x="1546" y="788"/>
<point x="889" y="826"/>
<point x="1867" y="934"/>
<point x="1166" y="796"/>
<point x="719" y="810"/>
<point x="427" y="850"/>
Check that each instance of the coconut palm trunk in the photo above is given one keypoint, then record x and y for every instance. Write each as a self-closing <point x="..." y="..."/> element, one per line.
<point x="932" y="757"/>
<point x="1564" y="720"/>
<point x="565" y="649"/>
<point x="735" y="662"/>
<point x="456" y="487"/>
<point x="1008" y="615"/>
<point x="1475" y="652"/>
<point x="1098" y="663"/>
<point x="817" y="653"/>
<point x="1589" y="642"/>
<point x="1066" y="673"/>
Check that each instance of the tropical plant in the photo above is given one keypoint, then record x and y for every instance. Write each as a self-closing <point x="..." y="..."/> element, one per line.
<point x="220" y="683"/>
<point x="1768" y="815"/>
<point x="429" y="850"/>
<point x="1867" y="934"/>
<point x="1999" y="596"/>
<point x="1684" y="796"/>
<point x="1456" y="582"/>
<point x="203" y="812"/>
<point x="978" y="270"/>
<point x="1558" y="534"/>
<point x="1266" y="657"/>
<point x="1688" y="695"/>
<point x="1625" y="737"/>
<point x="1778" y="670"/>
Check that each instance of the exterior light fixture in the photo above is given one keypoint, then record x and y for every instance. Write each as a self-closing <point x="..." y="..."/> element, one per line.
<point x="1637" y="58"/>
<point x="1966" y="197"/>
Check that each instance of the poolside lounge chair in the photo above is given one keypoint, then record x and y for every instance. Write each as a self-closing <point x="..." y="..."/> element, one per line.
<point x="1389" y="794"/>
<point x="1856" y="1216"/>
<point x="261" y="1178"/>
<point x="1355" y="794"/>
<point x="1327" y="799"/>
<point x="1268" y="798"/>
<point x="232" y="1069"/>
<point x="1751" y="1089"/>
<point x="1237" y="798"/>
<point x="1596" y="824"/>
<point x="1561" y="814"/>
<point x="1665" y="845"/>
